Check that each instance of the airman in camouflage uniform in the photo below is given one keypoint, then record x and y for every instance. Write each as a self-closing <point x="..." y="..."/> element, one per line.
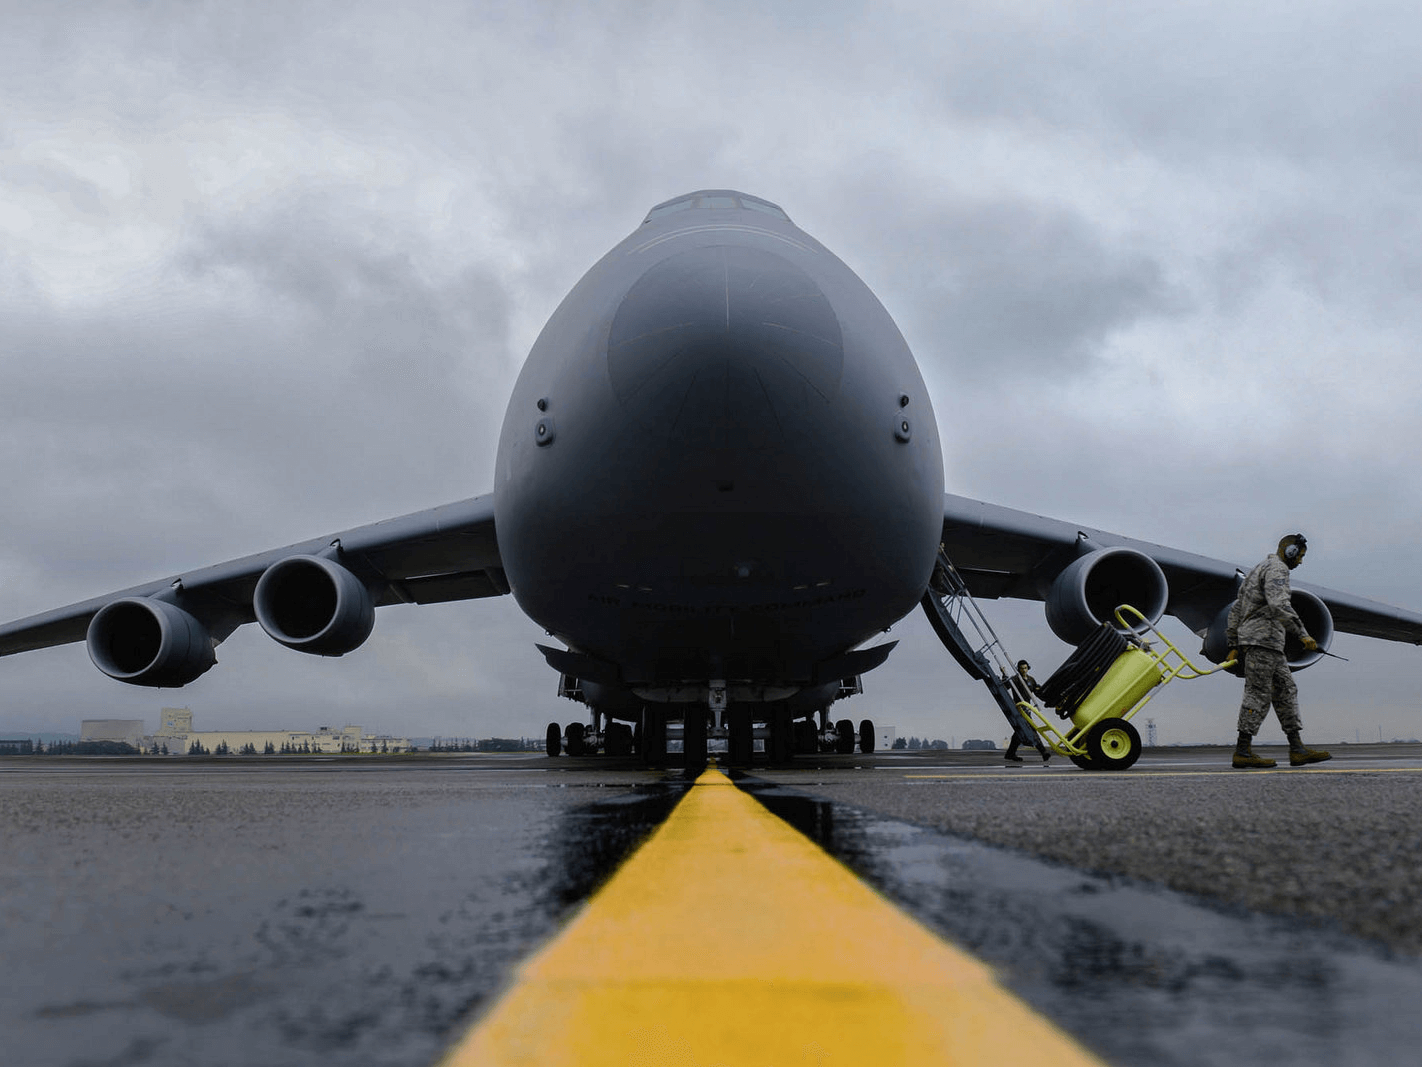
<point x="1027" y="688"/>
<point x="1258" y="621"/>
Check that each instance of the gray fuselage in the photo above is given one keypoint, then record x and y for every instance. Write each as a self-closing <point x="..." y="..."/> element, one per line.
<point x="719" y="460"/>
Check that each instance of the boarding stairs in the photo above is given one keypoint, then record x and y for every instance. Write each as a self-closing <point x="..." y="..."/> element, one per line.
<point x="964" y="630"/>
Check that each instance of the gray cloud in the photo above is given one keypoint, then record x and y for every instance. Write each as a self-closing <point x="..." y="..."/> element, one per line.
<point x="1321" y="83"/>
<point x="267" y="273"/>
<point x="1013" y="288"/>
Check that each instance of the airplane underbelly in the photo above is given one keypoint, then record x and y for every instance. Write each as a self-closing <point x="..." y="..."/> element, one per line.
<point x="676" y="575"/>
<point x="763" y="595"/>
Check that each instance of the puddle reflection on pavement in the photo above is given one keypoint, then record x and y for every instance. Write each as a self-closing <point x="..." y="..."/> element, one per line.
<point x="1138" y="973"/>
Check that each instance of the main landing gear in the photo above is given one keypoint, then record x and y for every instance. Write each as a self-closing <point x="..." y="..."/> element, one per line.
<point x="839" y="737"/>
<point x="783" y="736"/>
<point x="580" y="739"/>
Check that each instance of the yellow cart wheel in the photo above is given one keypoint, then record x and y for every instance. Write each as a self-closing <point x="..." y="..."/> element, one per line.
<point x="1081" y="761"/>
<point x="1113" y="745"/>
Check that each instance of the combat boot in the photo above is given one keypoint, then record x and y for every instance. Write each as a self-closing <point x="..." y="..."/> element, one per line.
<point x="1299" y="755"/>
<point x="1244" y="757"/>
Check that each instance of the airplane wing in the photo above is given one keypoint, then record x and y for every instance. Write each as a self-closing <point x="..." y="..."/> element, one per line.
<point x="427" y="557"/>
<point x="1003" y="552"/>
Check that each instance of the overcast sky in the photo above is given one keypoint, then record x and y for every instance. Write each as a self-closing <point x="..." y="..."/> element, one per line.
<point x="269" y="271"/>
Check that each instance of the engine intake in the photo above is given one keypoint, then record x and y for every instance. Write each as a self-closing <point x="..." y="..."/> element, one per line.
<point x="1093" y="586"/>
<point x="1312" y="612"/>
<point x="149" y="642"/>
<point x="314" y="605"/>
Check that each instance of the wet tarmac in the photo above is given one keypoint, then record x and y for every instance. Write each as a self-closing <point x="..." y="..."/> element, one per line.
<point x="1339" y="841"/>
<point x="1138" y="973"/>
<point x="357" y="912"/>
<point x="275" y="914"/>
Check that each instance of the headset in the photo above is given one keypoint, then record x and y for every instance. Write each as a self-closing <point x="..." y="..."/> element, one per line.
<point x="1293" y="546"/>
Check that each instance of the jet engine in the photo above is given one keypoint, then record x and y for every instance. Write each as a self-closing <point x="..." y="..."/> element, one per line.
<point x="149" y="642"/>
<point x="1093" y="586"/>
<point x="1312" y="612"/>
<point x="314" y="605"/>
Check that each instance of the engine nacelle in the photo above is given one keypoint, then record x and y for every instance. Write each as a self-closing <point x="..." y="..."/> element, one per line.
<point x="1090" y="590"/>
<point x="149" y="642"/>
<point x="314" y="605"/>
<point x="1312" y="612"/>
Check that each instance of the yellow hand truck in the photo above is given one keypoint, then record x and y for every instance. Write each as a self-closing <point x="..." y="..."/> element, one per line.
<point x="1100" y="736"/>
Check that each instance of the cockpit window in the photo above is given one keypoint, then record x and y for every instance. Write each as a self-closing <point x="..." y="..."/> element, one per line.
<point x="667" y="209"/>
<point x="715" y="201"/>
<point x="761" y="205"/>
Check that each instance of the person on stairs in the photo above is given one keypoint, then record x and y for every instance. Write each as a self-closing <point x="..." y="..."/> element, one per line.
<point x="1027" y="688"/>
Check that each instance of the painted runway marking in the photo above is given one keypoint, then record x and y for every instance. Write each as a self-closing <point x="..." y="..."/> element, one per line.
<point x="731" y="938"/>
<point x="1094" y="776"/>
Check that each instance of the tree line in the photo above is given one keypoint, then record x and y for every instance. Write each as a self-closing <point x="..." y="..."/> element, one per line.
<point x="917" y="743"/>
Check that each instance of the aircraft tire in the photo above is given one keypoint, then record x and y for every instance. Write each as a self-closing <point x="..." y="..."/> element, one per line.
<point x="1113" y="745"/>
<point x="574" y="735"/>
<point x="866" y="736"/>
<point x="554" y="743"/>
<point x="780" y="744"/>
<point x="653" y="747"/>
<point x="693" y="740"/>
<point x="740" y="747"/>
<point x="618" y="739"/>
<point x="807" y="737"/>
<point x="844" y="739"/>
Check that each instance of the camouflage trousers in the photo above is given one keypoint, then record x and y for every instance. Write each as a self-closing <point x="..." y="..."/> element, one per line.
<point x="1268" y="680"/>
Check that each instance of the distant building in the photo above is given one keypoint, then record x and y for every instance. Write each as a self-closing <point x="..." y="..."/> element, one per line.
<point x="129" y="731"/>
<point x="884" y="737"/>
<point x="177" y="733"/>
<point x="175" y="721"/>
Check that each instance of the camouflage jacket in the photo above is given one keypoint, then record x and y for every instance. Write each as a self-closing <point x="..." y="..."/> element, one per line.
<point x="1262" y="613"/>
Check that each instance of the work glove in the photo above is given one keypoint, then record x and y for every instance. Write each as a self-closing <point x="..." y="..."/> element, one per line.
<point x="1309" y="643"/>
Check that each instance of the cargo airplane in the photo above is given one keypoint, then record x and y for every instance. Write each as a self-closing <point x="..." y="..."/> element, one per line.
<point x="718" y="478"/>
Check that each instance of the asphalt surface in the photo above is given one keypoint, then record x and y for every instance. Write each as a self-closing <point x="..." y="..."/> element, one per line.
<point x="1339" y="841"/>
<point x="359" y="912"/>
<point x="281" y="912"/>
<point x="1139" y="972"/>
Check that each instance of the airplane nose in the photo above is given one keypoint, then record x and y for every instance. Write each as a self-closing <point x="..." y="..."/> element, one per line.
<point x="725" y="347"/>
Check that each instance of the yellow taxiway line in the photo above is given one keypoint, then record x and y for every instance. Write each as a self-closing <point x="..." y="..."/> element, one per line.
<point x="730" y="938"/>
